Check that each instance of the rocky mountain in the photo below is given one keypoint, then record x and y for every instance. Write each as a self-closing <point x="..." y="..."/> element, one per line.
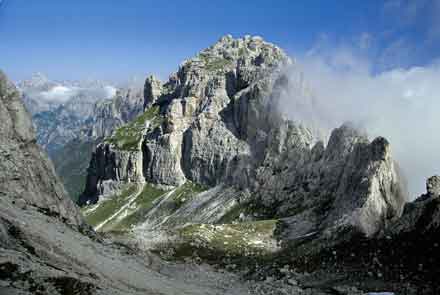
<point x="124" y="107"/>
<point x="213" y="170"/>
<point x="216" y="122"/>
<point x="47" y="248"/>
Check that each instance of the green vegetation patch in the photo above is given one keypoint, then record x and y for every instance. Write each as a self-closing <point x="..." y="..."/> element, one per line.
<point x="233" y="214"/>
<point x="214" y="63"/>
<point x="242" y="52"/>
<point x="151" y="195"/>
<point x="148" y="195"/>
<point x="96" y="214"/>
<point x="128" y="136"/>
<point x="142" y="204"/>
<point x="249" y="239"/>
<point x="139" y="205"/>
<point x="186" y="192"/>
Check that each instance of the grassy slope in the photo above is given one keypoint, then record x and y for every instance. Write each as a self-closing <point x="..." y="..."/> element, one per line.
<point x="236" y="241"/>
<point x="128" y="136"/>
<point x="95" y="214"/>
<point x="232" y="240"/>
<point x="140" y="205"/>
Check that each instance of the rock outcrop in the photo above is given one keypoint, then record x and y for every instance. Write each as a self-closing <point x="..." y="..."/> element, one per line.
<point x="405" y="254"/>
<point x="423" y="214"/>
<point x="200" y="131"/>
<point x="351" y="183"/>
<point x="433" y="186"/>
<point x="108" y="115"/>
<point x="27" y="175"/>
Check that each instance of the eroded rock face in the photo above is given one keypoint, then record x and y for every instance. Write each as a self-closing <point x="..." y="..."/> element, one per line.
<point x="152" y="90"/>
<point x="421" y="215"/>
<point x="350" y="183"/>
<point x="110" y="114"/>
<point x="27" y="174"/>
<point x="407" y="250"/>
<point x="110" y="164"/>
<point x="433" y="186"/>
<point x="206" y="109"/>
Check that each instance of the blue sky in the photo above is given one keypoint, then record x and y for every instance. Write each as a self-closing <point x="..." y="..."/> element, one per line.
<point x="116" y="39"/>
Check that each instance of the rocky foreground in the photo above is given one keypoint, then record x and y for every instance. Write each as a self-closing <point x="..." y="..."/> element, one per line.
<point x="215" y="180"/>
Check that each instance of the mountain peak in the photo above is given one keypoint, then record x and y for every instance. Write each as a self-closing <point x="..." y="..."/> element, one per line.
<point x="229" y="53"/>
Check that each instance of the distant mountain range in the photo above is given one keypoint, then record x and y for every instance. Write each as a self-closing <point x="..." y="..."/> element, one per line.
<point x="61" y="108"/>
<point x="70" y="117"/>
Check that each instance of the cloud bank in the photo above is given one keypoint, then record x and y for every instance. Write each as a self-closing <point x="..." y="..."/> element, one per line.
<point x="61" y="94"/>
<point x="402" y="105"/>
<point x="58" y="94"/>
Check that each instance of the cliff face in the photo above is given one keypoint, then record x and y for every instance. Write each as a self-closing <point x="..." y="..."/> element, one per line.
<point x="350" y="183"/>
<point x="195" y="125"/>
<point x="125" y="106"/>
<point x="27" y="175"/>
<point x="217" y="122"/>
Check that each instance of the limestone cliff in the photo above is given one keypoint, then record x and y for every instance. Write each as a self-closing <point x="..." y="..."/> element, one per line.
<point x="110" y="114"/>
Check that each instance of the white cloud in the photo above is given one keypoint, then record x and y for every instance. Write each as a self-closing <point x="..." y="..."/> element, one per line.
<point x="402" y="105"/>
<point x="58" y="94"/>
<point x="110" y="91"/>
<point x="61" y="94"/>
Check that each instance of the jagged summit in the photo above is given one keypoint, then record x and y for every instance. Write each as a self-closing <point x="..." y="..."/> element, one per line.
<point x="208" y="92"/>
<point x="238" y="62"/>
<point x="251" y="48"/>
